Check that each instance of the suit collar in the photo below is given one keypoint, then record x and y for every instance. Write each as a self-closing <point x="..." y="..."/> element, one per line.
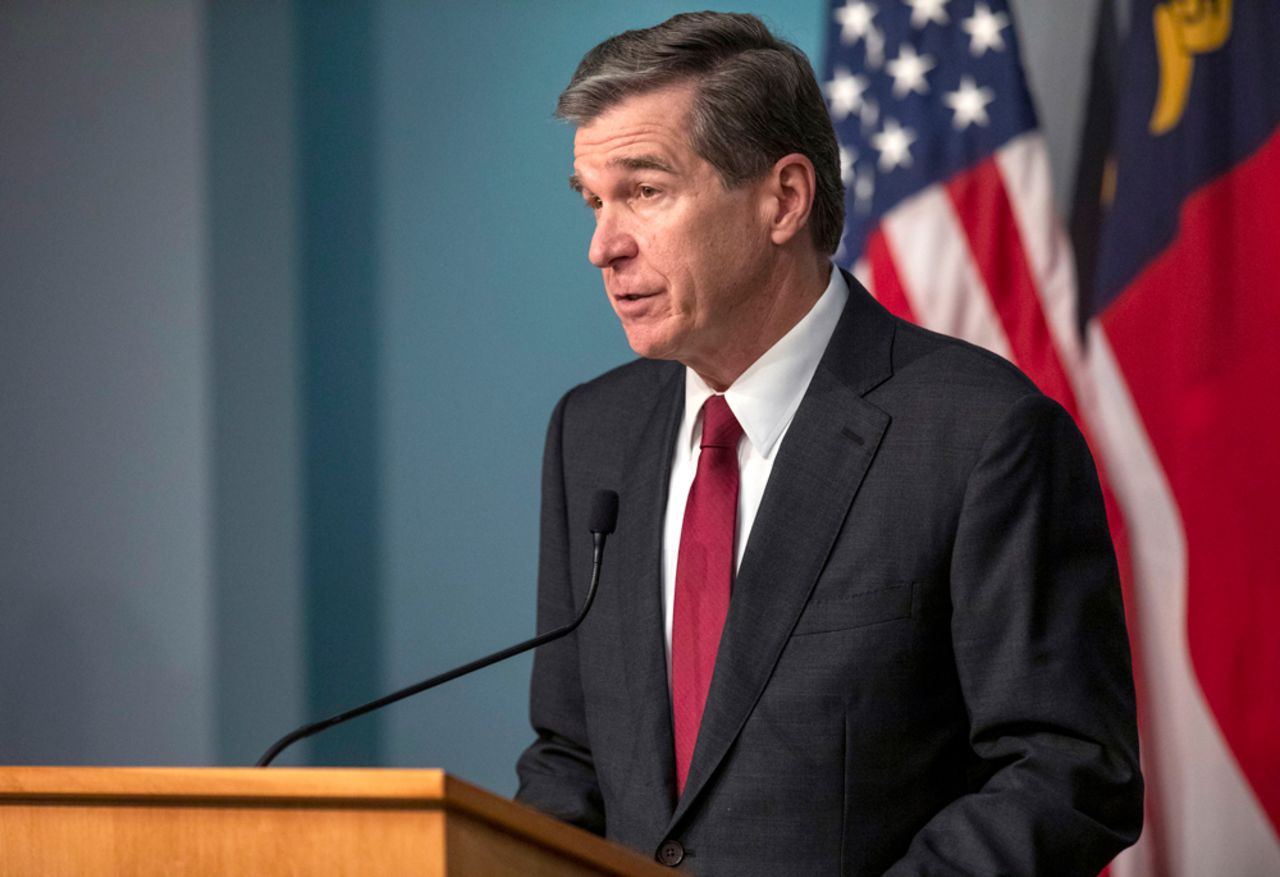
<point x="860" y="354"/>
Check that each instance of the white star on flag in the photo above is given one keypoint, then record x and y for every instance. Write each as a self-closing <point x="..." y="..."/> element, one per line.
<point x="908" y="71"/>
<point x="925" y="11"/>
<point x="845" y="91"/>
<point x="984" y="30"/>
<point x="894" y="145"/>
<point x="969" y="103"/>
<point x="855" y="20"/>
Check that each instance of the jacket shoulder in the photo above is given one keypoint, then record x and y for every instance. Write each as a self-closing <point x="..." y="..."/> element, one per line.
<point x="920" y="355"/>
<point x="955" y="392"/>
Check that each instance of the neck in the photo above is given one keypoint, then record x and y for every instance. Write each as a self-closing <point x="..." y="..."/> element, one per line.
<point x="795" y="291"/>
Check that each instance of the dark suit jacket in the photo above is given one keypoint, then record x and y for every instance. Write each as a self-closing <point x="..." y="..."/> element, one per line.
<point x="924" y="669"/>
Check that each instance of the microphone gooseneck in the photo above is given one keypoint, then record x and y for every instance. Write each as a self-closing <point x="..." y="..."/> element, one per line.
<point x="603" y="520"/>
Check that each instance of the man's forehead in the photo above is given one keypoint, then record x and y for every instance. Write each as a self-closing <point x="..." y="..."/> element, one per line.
<point x="642" y="161"/>
<point x="611" y="139"/>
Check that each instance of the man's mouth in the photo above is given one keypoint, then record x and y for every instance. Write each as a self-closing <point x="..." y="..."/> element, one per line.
<point x="633" y="296"/>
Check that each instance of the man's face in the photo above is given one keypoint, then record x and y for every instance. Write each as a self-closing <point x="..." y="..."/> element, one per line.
<point x="685" y="261"/>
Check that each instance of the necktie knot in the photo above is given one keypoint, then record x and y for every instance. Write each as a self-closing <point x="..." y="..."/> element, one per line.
<point x="720" y="429"/>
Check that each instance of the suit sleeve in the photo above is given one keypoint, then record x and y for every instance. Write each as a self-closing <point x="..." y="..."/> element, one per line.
<point x="1043" y="661"/>
<point x="557" y="775"/>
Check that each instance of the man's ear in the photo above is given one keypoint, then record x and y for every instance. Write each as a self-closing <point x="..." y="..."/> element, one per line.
<point x="792" y="186"/>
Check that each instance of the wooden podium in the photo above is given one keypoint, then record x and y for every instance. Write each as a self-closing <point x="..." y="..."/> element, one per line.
<point x="214" y="821"/>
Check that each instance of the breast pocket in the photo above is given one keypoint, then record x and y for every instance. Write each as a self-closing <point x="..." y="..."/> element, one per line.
<point x="885" y="602"/>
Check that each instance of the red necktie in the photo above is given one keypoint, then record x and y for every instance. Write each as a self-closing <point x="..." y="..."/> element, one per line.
<point x="704" y="574"/>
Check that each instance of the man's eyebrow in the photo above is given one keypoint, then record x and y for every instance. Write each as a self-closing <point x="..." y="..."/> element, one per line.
<point x="631" y="163"/>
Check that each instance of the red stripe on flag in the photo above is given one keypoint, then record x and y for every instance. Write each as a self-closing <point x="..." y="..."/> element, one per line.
<point x="995" y="242"/>
<point x="886" y="286"/>
<point x="1195" y="335"/>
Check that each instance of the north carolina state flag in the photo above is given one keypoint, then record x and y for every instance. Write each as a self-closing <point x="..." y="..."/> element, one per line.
<point x="1184" y="348"/>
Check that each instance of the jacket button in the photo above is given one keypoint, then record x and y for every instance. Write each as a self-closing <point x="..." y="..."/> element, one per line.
<point x="670" y="853"/>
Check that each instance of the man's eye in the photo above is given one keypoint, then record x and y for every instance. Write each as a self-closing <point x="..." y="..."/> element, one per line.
<point x="592" y="203"/>
<point x="647" y="192"/>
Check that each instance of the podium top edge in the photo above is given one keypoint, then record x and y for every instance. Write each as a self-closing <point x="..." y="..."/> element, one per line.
<point x="423" y="786"/>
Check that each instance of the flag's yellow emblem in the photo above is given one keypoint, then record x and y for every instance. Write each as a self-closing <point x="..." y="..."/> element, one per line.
<point x="1184" y="29"/>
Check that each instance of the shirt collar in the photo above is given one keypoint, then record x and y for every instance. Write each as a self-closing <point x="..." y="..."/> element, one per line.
<point x="765" y="396"/>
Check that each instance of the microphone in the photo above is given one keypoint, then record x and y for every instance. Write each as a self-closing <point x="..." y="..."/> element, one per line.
<point x="603" y="520"/>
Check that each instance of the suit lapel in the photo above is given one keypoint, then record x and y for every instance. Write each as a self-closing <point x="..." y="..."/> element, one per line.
<point x="821" y="463"/>
<point x="639" y="563"/>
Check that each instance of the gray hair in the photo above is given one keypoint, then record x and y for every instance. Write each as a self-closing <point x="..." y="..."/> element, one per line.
<point x="756" y="100"/>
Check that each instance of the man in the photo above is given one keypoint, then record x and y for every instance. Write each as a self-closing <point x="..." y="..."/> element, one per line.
<point x="861" y="613"/>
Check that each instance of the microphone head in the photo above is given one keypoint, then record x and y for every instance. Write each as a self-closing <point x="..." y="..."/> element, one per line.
<point x="604" y="512"/>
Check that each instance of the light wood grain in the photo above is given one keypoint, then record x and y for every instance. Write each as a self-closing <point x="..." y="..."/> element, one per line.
<point x="296" y="821"/>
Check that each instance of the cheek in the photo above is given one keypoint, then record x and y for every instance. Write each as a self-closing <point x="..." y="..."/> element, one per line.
<point x="694" y="255"/>
<point x="721" y="251"/>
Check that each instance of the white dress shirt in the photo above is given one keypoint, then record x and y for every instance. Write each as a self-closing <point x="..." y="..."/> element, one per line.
<point x="763" y="399"/>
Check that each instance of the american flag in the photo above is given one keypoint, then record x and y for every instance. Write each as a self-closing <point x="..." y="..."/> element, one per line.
<point x="951" y="223"/>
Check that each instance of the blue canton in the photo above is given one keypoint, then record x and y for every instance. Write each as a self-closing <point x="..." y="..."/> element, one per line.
<point x="918" y="91"/>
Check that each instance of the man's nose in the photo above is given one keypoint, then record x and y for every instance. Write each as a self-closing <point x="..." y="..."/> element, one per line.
<point x="611" y="240"/>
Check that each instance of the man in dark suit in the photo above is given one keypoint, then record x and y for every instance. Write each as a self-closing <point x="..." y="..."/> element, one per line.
<point x="861" y="614"/>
